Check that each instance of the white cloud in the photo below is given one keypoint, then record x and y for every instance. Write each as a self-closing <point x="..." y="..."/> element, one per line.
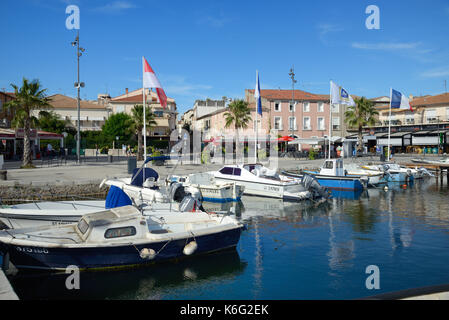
<point x="115" y="7"/>
<point x="179" y="85"/>
<point x="392" y="46"/>
<point x="216" y="21"/>
<point x="436" y="73"/>
<point x="326" y="28"/>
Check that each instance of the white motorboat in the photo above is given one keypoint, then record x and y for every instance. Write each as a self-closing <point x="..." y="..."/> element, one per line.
<point x="398" y="173"/>
<point x="373" y="177"/>
<point x="210" y="189"/>
<point x="261" y="181"/>
<point x="64" y="212"/>
<point x="119" y="237"/>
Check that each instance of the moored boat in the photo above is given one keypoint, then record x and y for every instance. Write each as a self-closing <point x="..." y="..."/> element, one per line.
<point x="261" y="181"/>
<point x="210" y="189"/>
<point x="331" y="175"/>
<point x="119" y="237"/>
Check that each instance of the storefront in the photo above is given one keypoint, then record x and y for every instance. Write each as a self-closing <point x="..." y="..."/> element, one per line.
<point x="11" y="142"/>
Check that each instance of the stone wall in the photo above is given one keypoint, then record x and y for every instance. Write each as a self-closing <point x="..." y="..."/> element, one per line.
<point x="14" y="194"/>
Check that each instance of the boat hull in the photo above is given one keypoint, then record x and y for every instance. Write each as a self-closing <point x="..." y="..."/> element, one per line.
<point x="333" y="182"/>
<point x="117" y="256"/>
<point x="271" y="190"/>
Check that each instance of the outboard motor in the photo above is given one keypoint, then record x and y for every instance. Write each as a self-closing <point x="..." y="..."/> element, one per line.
<point x="187" y="202"/>
<point x="311" y="184"/>
<point x="177" y="192"/>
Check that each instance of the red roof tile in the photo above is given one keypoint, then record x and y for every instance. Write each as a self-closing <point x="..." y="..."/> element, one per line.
<point x="287" y="95"/>
<point x="431" y="100"/>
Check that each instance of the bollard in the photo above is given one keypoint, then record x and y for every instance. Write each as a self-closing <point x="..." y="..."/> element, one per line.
<point x="109" y="158"/>
<point x="132" y="164"/>
<point x="3" y="174"/>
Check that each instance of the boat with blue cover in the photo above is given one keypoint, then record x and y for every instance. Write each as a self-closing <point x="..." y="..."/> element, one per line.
<point x="332" y="176"/>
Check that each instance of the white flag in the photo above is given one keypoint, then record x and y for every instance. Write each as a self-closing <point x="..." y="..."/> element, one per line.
<point x="340" y="95"/>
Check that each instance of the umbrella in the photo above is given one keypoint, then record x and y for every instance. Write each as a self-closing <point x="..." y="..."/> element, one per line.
<point x="286" y="138"/>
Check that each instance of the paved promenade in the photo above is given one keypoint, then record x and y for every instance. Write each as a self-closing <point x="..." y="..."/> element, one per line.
<point x="95" y="172"/>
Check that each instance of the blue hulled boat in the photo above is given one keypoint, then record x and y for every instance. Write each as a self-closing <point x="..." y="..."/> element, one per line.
<point x="119" y="237"/>
<point x="332" y="176"/>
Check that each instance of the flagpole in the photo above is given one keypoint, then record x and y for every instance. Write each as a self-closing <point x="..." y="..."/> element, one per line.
<point x="330" y="120"/>
<point x="257" y="117"/>
<point x="144" y="118"/>
<point x="389" y="126"/>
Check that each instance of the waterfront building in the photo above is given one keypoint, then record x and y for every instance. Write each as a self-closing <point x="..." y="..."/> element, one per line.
<point x="93" y="114"/>
<point x="425" y="129"/>
<point x="166" y="118"/>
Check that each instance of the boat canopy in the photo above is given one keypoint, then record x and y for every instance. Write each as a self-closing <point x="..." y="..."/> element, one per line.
<point x="117" y="198"/>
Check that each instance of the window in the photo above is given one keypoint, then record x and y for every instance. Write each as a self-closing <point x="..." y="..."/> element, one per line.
<point x="1" y="105"/>
<point x="320" y="123"/>
<point x="277" y="123"/>
<point x="306" y="123"/>
<point x="120" y="232"/>
<point x="335" y="123"/>
<point x="431" y="115"/>
<point x="277" y="106"/>
<point x="335" y="108"/>
<point x="226" y="170"/>
<point x="409" y="117"/>
<point x="159" y="113"/>
<point x="119" y="109"/>
<point x="292" y="107"/>
<point x="320" y="106"/>
<point x="328" y="165"/>
<point x="83" y="226"/>
<point x="291" y="123"/>
<point x="306" y="106"/>
<point x="447" y="114"/>
<point x="207" y="125"/>
<point x="237" y="171"/>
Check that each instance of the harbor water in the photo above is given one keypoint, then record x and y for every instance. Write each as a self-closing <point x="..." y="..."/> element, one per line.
<point x="293" y="251"/>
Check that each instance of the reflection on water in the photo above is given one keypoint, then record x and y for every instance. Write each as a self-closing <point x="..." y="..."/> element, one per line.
<point x="154" y="282"/>
<point x="301" y="250"/>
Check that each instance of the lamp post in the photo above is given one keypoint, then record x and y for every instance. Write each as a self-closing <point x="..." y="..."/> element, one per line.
<point x="292" y="76"/>
<point x="78" y="85"/>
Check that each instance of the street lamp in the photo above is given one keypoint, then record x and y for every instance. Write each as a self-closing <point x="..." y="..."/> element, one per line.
<point x="78" y="85"/>
<point x="292" y="76"/>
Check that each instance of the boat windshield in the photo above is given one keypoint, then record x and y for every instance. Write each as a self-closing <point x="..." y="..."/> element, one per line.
<point x="83" y="226"/>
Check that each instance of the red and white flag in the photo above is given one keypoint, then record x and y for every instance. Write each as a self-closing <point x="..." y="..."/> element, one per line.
<point x="150" y="81"/>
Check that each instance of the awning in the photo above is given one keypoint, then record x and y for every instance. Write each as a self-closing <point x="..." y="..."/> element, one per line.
<point x="316" y="141"/>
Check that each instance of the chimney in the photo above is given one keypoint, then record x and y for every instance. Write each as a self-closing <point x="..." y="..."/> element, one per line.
<point x="126" y="90"/>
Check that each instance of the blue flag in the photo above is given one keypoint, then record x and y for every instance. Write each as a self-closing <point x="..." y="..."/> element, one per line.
<point x="398" y="100"/>
<point x="257" y="95"/>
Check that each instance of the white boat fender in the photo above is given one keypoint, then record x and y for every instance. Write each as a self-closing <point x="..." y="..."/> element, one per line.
<point x="146" y="253"/>
<point x="386" y="188"/>
<point x="190" y="248"/>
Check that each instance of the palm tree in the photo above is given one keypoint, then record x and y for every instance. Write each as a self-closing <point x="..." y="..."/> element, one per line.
<point x="137" y="125"/>
<point x="363" y="114"/>
<point x="29" y="97"/>
<point x="239" y="116"/>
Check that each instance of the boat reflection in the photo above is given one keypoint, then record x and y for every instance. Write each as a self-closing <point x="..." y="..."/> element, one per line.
<point x="153" y="282"/>
<point x="350" y="194"/>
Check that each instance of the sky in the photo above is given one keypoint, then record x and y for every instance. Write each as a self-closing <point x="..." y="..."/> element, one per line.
<point x="210" y="49"/>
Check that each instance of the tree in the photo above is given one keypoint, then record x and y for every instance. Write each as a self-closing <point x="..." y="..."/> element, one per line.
<point x="137" y="125"/>
<point x="29" y="97"/>
<point x="363" y="114"/>
<point x="51" y="122"/>
<point x="118" y="125"/>
<point x="239" y="115"/>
